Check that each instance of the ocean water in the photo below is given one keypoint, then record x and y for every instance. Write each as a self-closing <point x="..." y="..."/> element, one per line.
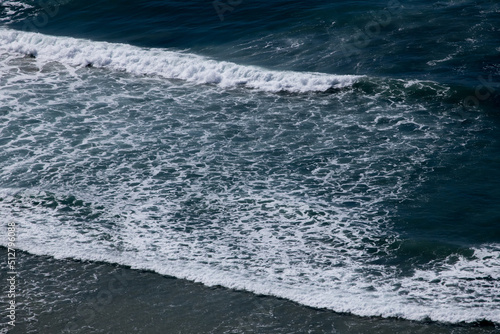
<point x="343" y="156"/>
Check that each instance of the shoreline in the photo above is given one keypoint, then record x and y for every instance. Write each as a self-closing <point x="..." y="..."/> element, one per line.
<point x="74" y="296"/>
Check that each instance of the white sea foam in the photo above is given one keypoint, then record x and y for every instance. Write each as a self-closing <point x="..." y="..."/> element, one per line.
<point x="12" y="11"/>
<point x="168" y="64"/>
<point x="279" y="195"/>
<point x="465" y="291"/>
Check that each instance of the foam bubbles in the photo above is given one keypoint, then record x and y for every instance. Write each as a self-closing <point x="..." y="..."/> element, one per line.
<point x="13" y="11"/>
<point x="280" y="194"/>
<point x="168" y="64"/>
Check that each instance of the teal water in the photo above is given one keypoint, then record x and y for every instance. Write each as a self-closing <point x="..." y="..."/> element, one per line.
<point x="341" y="156"/>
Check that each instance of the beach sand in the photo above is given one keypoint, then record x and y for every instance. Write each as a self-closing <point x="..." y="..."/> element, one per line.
<point x="68" y="296"/>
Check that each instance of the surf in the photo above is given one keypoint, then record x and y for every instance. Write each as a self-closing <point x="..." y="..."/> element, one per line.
<point x="166" y="63"/>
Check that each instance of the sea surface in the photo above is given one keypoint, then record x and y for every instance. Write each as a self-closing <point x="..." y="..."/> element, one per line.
<point x="330" y="157"/>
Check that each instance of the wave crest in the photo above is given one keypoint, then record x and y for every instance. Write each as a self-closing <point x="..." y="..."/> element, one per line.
<point x="165" y="63"/>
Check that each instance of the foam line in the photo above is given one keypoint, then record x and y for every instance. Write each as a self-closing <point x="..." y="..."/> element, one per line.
<point x="168" y="64"/>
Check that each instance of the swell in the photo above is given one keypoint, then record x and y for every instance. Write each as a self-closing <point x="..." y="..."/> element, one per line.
<point x="203" y="70"/>
<point x="168" y="64"/>
<point x="286" y="265"/>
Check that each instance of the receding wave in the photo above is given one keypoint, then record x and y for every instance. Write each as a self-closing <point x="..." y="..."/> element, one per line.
<point x="440" y="295"/>
<point x="165" y="63"/>
<point x="289" y="195"/>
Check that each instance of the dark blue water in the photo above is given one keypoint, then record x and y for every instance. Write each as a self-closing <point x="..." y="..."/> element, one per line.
<point x="341" y="155"/>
